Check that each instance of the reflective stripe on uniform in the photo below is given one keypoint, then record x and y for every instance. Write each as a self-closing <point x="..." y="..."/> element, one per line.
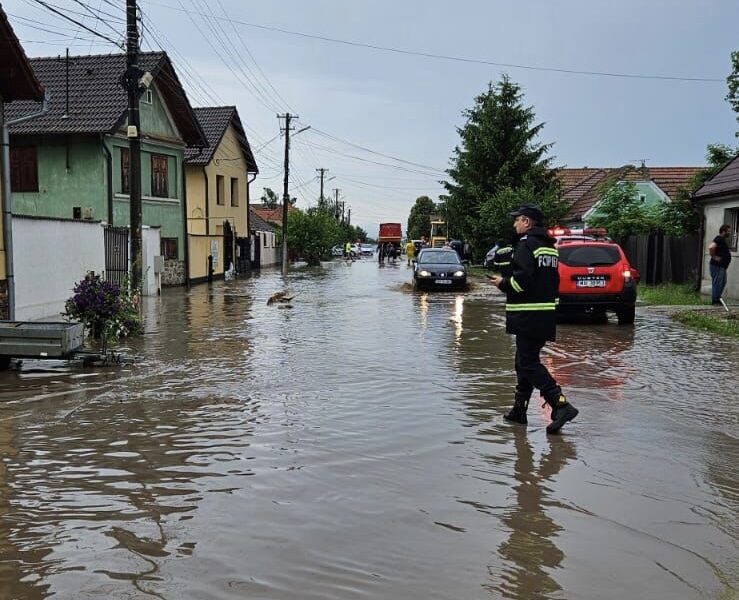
<point x="531" y="306"/>
<point x="515" y="286"/>
<point x="545" y="250"/>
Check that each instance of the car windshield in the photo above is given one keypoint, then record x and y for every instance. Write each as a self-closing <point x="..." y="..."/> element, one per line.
<point x="589" y="256"/>
<point x="446" y="257"/>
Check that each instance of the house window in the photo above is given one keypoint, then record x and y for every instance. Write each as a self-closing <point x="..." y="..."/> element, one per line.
<point x="159" y="176"/>
<point x="148" y="97"/>
<point x="125" y="171"/>
<point x="731" y="218"/>
<point x="234" y="191"/>
<point x="220" y="190"/>
<point x="169" y="248"/>
<point x="23" y="169"/>
<point x="642" y="198"/>
<point x="264" y="237"/>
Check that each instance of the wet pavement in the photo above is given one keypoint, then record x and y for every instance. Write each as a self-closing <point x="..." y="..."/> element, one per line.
<point x="353" y="446"/>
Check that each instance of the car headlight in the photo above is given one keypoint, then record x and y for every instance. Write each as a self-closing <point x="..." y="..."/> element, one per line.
<point x="424" y="273"/>
<point x="459" y="273"/>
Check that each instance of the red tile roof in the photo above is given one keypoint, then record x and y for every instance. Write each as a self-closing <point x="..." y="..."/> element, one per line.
<point x="582" y="186"/>
<point x="271" y="215"/>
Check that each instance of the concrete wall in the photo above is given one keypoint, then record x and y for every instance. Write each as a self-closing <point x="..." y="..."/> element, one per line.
<point x="50" y="256"/>
<point x="165" y="213"/>
<point x="202" y="246"/>
<point x="714" y="213"/>
<point x="269" y="251"/>
<point x="71" y="172"/>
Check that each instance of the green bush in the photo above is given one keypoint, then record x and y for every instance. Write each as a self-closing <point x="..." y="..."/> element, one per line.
<point x="108" y="311"/>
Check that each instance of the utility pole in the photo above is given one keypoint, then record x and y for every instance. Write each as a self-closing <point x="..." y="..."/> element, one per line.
<point x="336" y="204"/>
<point x="131" y="78"/>
<point x="285" y="192"/>
<point x="349" y="217"/>
<point x="322" y="171"/>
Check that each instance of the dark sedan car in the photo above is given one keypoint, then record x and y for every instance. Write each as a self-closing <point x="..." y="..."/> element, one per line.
<point x="439" y="268"/>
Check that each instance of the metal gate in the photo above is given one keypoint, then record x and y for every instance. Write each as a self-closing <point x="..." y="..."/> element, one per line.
<point x="228" y="246"/>
<point x="116" y="254"/>
<point x="243" y="254"/>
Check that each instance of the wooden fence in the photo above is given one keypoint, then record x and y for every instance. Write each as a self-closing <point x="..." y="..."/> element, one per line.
<point x="660" y="258"/>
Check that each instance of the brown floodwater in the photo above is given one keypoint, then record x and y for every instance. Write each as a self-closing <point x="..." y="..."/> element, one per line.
<point x="353" y="447"/>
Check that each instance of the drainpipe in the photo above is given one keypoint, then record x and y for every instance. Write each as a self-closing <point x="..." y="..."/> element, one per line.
<point x="186" y="235"/>
<point x="109" y="173"/>
<point x="248" y="184"/>
<point x="7" y="204"/>
<point x="207" y="204"/>
<point x="248" y="216"/>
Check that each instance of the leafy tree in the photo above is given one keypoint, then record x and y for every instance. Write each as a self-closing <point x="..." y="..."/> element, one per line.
<point x="497" y="151"/>
<point x="732" y="81"/>
<point x="312" y="234"/>
<point x="622" y="213"/>
<point x="269" y="198"/>
<point x="419" y="219"/>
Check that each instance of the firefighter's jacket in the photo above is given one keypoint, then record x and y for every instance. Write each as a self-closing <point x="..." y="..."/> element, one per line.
<point x="502" y="260"/>
<point x="532" y="287"/>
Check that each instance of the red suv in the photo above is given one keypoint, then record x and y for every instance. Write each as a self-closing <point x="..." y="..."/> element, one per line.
<point x="595" y="276"/>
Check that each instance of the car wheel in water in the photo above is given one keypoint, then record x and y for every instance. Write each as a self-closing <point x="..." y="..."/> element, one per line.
<point x="626" y="315"/>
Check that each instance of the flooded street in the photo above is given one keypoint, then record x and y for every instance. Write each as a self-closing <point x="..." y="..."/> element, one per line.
<point x="353" y="446"/>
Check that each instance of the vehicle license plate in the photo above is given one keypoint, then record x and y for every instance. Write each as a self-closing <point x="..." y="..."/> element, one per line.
<point x="590" y="283"/>
<point x="442" y="281"/>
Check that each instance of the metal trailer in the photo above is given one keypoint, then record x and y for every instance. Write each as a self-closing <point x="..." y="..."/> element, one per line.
<point x="31" y="339"/>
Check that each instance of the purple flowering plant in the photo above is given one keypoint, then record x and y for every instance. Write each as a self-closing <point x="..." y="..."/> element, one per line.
<point x="108" y="310"/>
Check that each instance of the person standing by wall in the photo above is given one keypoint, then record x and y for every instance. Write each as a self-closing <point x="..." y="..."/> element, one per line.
<point x="720" y="259"/>
<point x="531" y="293"/>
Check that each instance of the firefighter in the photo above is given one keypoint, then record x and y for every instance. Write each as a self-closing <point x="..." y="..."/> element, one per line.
<point x="531" y="297"/>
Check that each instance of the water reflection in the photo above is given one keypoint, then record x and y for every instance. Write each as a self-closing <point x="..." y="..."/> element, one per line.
<point x="595" y="359"/>
<point x="113" y="471"/>
<point x="530" y="553"/>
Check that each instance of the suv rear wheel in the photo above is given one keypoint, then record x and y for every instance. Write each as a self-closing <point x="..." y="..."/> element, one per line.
<point x="626" y="315"/>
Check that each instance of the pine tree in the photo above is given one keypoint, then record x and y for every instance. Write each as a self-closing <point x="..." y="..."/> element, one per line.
<point x="498" y="155"/>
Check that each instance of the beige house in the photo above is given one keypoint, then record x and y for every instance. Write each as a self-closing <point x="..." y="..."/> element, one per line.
<point x="217" y="182"/>
<point x="17" y="82"/>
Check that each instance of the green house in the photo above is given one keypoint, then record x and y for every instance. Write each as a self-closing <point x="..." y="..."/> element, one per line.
<point x="73" y="161"/>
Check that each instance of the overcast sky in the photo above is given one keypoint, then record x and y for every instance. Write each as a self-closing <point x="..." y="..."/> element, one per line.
<point x="408" y="107"/>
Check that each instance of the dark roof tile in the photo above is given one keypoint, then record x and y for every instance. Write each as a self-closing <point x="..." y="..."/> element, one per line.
<point x="17" y="79"/>
<point x="725" y="182"/>
<point x="96" y="101"/>
<point x="257" y="223"/>
<point x="214" y="121"/>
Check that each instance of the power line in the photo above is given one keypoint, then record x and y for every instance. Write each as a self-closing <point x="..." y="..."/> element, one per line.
<point x="348" y="143"/>
<point x="447" y="57"/>
<point x="82" y="25"/>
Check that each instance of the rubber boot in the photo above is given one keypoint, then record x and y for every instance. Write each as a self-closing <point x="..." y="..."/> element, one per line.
<point x="518" y="413"/>
<point x="562" y="411"/>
